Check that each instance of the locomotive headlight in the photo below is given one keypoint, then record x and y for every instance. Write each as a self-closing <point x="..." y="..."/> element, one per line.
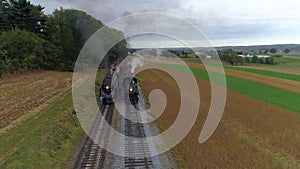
<point x="106" y="87"/>
<point x="130" y="89"/>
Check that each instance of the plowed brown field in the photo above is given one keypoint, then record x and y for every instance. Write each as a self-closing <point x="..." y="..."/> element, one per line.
<point x="21" y="94"/>
<point x="251" y="134"/>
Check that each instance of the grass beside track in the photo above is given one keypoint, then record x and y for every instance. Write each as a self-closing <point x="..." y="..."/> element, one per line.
<point x="49" y="139"/>
<point x="275" y="96"/>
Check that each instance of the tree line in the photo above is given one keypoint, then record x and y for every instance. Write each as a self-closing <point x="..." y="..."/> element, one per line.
<point x="31" y="40"/>
<point x="233" y="58"/>
<point x="230" y="56"/>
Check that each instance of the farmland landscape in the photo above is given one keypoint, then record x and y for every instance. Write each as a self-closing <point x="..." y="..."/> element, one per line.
<point x="29" y="91"/>
<point x="46" y="134"/>
<point x="189" y="84"/>
<point x="265" y="127"/>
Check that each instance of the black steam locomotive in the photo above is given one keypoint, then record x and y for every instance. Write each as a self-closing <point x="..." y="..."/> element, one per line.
<point x="133" y="91"/>
<point x="105" y="91"/>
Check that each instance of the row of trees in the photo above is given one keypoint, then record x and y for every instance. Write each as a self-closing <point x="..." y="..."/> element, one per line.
<point x="228" y="55"/>
<point x="233" y="58"/>
<point x="30" y="40"/>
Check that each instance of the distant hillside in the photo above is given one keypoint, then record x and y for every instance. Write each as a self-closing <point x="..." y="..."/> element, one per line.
<point x="281" y="47"/>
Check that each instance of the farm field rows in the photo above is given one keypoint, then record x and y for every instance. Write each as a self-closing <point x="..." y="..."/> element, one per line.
<point x="287" y="76"/>
<point x="269" y="80"/>
<point x="46" y="140"/>
<point x="279" y="97"/>
<point x="49" y="138"/>
<point x="285" y="64"/>
<point x="254" y="135"/>
<point x="20" y="95"/>
<point x="286" y="68"/>
<point x="293" y="56"/>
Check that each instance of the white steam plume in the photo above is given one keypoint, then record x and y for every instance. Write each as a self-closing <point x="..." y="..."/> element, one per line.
<point x="136" y="61"/>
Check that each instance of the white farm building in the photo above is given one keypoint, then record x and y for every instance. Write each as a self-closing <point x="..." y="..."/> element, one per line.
<point x="250" y="56"/>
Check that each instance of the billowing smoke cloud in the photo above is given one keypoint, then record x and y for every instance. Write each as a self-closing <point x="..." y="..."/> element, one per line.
<point x="136" y="61"/>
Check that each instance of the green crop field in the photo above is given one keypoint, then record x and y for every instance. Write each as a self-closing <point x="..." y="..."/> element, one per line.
<point x="281" y="60"/>
<point x="287" y="64"/>
<point x="291" y="54"/>
<point x="284" y="62"/>
<point x="275" y="96"/>
<point x="268" y="73"/>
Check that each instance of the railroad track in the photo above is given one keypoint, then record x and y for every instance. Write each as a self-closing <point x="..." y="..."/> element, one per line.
<point x="137" y="150"/>
<point x="91" y="155"/>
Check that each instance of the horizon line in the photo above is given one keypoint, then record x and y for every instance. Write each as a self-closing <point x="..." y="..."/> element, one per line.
<point x="216" y="46"/>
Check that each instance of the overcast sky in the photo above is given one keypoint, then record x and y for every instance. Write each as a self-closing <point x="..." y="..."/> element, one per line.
<point x="224" y="22"/>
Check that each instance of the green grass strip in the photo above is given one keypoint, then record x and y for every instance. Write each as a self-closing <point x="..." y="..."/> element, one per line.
<point x="286" y="60"/>
<point x="287" y="76"/>
<point x="47" y="140"/>
<point x="282" y="98"/>
<point x="268" y="73"/>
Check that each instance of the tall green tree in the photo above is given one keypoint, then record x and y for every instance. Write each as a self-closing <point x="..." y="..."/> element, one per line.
<point x="287" y="50"/>
<point x="4" y="8"/>
<point x="69" y="29"/>
<point x="254" y="59"/>
<point x="272" y="60"/>
<point x="64" y="33"/>
<point x="273" y="50"/>
<point x="23" y="15"/>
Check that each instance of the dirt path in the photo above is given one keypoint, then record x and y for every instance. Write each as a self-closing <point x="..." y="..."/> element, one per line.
<point x="251" y="134"/>
<point x="20" y="94"/>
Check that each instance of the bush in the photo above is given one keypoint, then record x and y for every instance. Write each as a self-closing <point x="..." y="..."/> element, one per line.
<point x="22" y="51"/>
<point x="277" y="55"/>
<point x="21" y="48"/>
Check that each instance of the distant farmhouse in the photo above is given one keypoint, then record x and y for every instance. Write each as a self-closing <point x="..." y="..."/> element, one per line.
<point x="258" y="56"/>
